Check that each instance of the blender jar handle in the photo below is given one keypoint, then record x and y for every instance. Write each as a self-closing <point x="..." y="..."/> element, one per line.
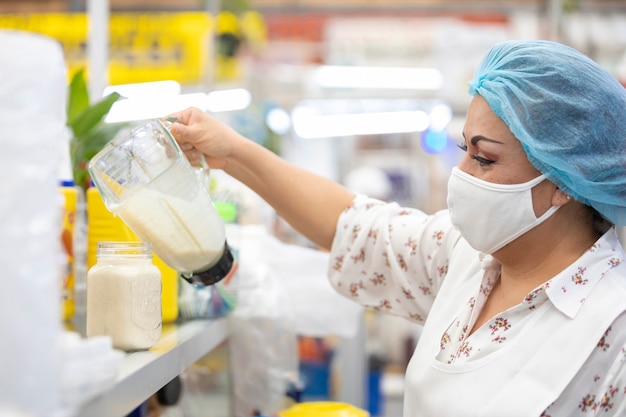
<point x="203" y="171"/>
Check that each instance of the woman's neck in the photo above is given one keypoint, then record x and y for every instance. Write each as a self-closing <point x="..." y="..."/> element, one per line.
<point x="542" y="253"/>
<point x="528" y="263"/>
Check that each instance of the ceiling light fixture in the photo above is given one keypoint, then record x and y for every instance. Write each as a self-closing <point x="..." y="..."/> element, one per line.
<point x="152" y="107"/>
<point x="330" y="76"/>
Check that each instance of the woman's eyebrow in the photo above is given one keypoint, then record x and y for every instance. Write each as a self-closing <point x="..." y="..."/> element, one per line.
<point x="478" y="138"/>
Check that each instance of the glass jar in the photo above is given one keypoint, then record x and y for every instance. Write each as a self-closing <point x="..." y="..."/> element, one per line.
<point x="124" y="295"/>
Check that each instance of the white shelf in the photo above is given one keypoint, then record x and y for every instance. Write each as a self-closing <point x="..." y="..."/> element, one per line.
<point x="143" y="373"/>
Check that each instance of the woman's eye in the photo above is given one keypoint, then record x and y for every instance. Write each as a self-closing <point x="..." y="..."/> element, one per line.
<point x="482" y="161"/>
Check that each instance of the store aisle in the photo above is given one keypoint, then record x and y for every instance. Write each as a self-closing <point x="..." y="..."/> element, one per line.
<point x="206" y="389"/>
<point x="208" y="397"/>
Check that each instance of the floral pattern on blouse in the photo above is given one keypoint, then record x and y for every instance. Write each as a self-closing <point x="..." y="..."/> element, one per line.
<point x="398" y="259"/>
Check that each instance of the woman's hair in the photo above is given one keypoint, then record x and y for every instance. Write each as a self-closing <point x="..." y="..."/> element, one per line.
<point x="600" y="224"/>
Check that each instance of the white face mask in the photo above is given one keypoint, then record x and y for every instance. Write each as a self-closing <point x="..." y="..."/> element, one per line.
<point x="489" y="215"/>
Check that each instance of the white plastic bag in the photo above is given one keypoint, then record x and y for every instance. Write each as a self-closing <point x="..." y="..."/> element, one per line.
<point x="283" y="292"/>
<point x="263" y="340"/>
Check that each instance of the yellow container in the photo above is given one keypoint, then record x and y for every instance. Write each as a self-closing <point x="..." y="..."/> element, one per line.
<point x="102" y="225"/>
<point x="70" y="195"/>
<point x="323" y="409"/>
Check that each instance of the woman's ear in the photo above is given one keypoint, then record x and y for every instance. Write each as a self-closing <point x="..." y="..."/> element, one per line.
<point x="560" y="198"/>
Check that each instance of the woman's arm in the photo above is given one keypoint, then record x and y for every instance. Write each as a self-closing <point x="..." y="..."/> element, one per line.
<point x="308" y="202"/>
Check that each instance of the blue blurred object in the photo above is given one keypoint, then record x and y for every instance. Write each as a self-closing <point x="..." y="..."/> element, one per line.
<point x="375" y="398"/>
<point x="569" y="114"/>
<point x="434" y="141"/>
<point x="374" y="395"/>
<point x="315" y="378"/>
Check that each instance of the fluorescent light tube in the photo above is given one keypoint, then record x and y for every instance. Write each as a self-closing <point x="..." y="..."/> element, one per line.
<point x="377" y="77"/>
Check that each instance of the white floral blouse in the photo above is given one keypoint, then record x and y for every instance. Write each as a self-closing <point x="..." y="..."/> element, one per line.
<point x="395" y="260"/>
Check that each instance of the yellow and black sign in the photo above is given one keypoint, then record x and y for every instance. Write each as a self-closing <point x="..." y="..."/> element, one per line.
<point x="142" y="46"/>
<point x="150" y="46"/>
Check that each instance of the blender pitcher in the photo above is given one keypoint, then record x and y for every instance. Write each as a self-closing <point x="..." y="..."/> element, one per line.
<point x="144" y="177"/>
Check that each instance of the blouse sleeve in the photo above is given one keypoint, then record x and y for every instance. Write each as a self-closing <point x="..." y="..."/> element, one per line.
<point x="390" y="258"/>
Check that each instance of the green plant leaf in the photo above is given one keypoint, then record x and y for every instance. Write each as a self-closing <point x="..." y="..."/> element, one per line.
<point x="81" y="151"/>
<point x="89" y="117"/>
<point x="86" y="121"/>
<point x="78" y="95"/>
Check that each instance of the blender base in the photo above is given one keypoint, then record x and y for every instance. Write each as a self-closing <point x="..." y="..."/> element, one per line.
<point x="222" y="269"/>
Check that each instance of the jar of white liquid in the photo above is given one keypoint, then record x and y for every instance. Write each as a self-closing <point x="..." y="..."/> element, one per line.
<point x="124" y="295"/>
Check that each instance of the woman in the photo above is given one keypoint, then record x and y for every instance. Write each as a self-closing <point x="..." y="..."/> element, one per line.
<point x="521" y="284"/>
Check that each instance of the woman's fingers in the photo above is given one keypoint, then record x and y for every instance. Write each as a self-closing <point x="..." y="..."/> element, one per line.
<point x="186" y="146"/>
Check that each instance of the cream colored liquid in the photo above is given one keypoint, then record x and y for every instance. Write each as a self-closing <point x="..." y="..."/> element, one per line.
<point x="187" y="234"/>
<point x="124" y="303"/>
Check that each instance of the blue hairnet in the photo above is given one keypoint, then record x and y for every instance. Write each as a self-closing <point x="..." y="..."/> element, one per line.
<point x="568" y="113"/>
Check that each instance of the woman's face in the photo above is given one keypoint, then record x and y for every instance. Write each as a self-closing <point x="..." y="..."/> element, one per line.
<point x="493" y="154"/>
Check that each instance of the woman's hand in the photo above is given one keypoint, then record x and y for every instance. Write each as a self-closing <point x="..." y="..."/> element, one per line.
<point x="198" y="133"/>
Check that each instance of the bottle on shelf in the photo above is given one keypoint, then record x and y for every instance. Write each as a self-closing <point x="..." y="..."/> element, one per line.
<point x="70" y="200"/>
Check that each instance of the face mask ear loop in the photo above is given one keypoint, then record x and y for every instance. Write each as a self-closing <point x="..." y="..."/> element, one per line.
<point x="545" y="216"/>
